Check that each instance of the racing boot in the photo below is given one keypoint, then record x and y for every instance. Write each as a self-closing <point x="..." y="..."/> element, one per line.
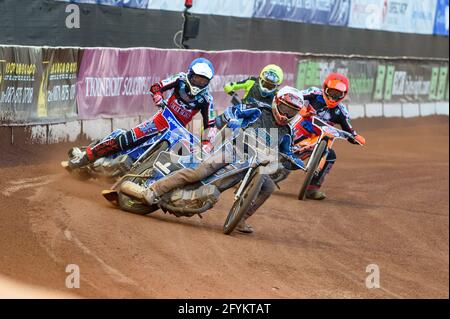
<point x="78" y="158"/>
<point x="243" y="227"/>
<point x="313" y="190"/>
<point x="315" y="194"/>
<point x="267" y="188"/>
<point x="146" y="195"/>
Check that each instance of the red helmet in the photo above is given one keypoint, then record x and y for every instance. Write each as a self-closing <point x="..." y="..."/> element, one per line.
<point x="286" y="105"/>
<point x="335" y="89"/>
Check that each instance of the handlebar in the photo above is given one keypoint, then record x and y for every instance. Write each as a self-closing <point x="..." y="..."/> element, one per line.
<point x="290" y="160"/>
<point x="236" y="100"/>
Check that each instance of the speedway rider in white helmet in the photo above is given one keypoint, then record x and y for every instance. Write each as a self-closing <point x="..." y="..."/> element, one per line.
<point x="190" y="95"/>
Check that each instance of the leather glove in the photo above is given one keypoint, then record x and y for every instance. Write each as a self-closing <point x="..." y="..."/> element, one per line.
<point x="358" y="138"/>
<point x="307" y="111"/>
<point x="248" y="116"/>
<point x="240" y="117"/>
<point x="158" y="100"/>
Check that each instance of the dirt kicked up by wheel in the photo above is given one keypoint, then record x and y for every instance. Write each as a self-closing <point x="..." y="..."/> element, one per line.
<point x="312" y="170"/>
<point x="243" y="204"/>
<point x="130" y="204"/>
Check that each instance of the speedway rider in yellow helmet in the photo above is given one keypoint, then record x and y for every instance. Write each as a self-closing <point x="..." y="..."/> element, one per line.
<point x="263" y="89"/>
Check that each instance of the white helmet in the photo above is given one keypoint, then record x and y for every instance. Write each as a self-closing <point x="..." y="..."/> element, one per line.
<point x="287" y="105"/>
<point x="200" y="73"/>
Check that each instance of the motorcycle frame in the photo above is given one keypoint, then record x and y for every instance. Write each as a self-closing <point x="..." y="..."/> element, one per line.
<point x="175" y="133"/>
<point x="330" y="137"/>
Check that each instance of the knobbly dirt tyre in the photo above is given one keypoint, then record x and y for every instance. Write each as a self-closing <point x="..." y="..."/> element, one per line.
<point x="310" y="174"/>
<point x="130" y="204"/>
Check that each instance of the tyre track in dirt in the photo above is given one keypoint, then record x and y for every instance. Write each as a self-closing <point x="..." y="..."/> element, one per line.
<point x="387" y="205"/>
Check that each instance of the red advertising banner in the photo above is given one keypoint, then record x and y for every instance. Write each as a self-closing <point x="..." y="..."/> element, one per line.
<point x="116" y="82"/>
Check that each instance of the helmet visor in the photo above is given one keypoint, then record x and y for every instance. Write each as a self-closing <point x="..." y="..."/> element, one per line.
<point x="287" y="110"/>
<point x="268" y="85"/>
<point x="271" y="76"/>
<point x="199" y="81"/>
<point x="334" y="94"/>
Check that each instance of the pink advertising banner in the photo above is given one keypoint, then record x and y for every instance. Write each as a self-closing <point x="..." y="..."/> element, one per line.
<point x="116" y="82"/>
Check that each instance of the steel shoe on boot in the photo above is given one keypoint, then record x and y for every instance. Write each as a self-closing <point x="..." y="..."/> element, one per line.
<point x="315" y="194"/>
<point x="143" y="194"/>
<point x="244" y="228"/>
<point x="78" y="159"/>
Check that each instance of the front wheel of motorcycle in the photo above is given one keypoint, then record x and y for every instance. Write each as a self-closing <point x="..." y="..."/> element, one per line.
<point x="133" y="205"/>
<point x="314" y="164"/>
<point x="243" y="204"/>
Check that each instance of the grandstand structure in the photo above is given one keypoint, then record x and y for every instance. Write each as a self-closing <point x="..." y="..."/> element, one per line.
<point x="395" y="54"/>
<point x="412" y="28"/>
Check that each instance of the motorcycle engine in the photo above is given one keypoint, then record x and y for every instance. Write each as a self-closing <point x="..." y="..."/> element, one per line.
<point x="195" y="198"/>
<point x="113" y="167"/>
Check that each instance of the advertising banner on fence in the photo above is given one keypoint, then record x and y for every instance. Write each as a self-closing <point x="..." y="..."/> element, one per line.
<point x="379" y="80"/>
<point x="361" y="74"/>
<point x="367" y="14"/>
<point x="57" y="93"/>
<point x="141" y="4"/>
<point x="410" y="16"/>
<point x="441" y="19"/>
<point x="332" y="12"/>
<point x="37" y="85"/>
<point x="20" y="79"/>
<point x="114" y="82"/>
<point x="236" y="8"/>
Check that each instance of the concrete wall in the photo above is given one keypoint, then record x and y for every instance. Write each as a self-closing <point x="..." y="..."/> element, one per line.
<point x="96" y="129"/>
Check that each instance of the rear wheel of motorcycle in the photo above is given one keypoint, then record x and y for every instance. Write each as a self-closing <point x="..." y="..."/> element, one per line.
<point x="130" y="204"/>
<point x="310" y="174"/>
<point x="241" y="206"/>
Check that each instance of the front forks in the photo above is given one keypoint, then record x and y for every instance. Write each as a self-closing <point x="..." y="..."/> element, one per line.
<point x="243" y="184"/>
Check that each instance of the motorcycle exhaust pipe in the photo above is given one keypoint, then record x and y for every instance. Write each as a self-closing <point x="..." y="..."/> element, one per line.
<point x="133" y="190"/>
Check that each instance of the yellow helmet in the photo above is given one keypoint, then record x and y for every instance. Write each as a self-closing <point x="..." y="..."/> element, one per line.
<point x="270" y="79"/>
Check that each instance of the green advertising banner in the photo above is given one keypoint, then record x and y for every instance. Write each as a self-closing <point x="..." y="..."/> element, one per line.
<point x="380" y="80"/>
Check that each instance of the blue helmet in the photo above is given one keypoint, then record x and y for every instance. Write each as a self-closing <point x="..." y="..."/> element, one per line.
<point x="200" y="73"/>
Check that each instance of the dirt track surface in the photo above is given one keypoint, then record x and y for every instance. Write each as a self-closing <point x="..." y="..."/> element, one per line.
<point x="388" y="205"/>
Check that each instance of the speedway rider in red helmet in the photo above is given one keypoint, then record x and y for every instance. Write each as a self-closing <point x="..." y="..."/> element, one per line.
<point x="327" y="103"/>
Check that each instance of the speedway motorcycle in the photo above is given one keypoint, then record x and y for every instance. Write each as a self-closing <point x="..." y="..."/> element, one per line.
<point x="316" y="148"/>
<point x="243" y="171"/>
<point x="175" y="136"/>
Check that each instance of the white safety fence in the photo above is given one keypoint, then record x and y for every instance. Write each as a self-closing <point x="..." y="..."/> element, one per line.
<point x="98" y="128"/>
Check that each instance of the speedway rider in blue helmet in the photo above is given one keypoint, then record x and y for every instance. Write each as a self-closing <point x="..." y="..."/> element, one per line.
<point x="190" y="95"/>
